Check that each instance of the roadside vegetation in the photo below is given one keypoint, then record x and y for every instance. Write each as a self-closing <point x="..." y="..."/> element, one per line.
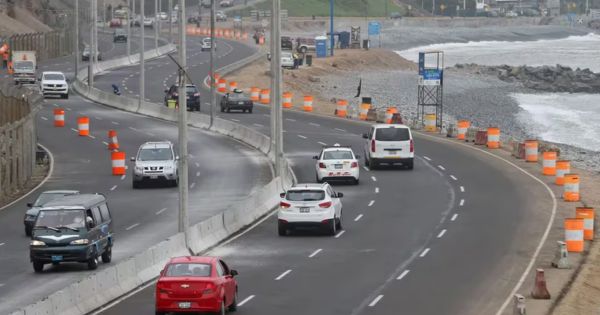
<point x="342" y="8"/>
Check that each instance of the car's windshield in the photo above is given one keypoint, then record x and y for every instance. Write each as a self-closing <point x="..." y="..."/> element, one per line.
<point x="54" y="218"/>
<point x="155" y="154"/>
<point x="337" y="155"/>
<point x="305" y="195"/>
<point x="392" y="134"/>
<point x="120" y="32"/>
<point x="188" y="270"/>
<point x="237" y="96"/>
<point x="23" y="65"/>
<point x="54" y="76"/>
<point x="191" y="89"/>
<point x="45" y="197"/>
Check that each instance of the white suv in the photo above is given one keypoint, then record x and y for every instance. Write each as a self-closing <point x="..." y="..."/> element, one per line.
<point x="389" y="143"/>
<point x="155" y="161"/>
<point x="54" y="83"/>
<point x="310" y="205"/>
<point x="337" y="163"/>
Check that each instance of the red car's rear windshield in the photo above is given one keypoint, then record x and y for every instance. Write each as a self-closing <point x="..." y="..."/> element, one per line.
<point x="188" y="270"/>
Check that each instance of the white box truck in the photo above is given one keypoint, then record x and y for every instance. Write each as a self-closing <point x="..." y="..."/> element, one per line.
<point x="24" y="66"/>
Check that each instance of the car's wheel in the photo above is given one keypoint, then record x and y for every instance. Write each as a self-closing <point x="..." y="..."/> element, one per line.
<point x="159" y="313"/>
<point x="366" y="161"/>
<point x="410" y="165"/>
<point x="339" y="222"/>
<point x="233" y="306"/>
<point x="222" y="310"/>
<point x="228" y="110"/>
<point x="92" y="263"/>
<point x="250" y="110"/>
<point x="332" y="227"/>
<point x="27" y="231"/>
<point x="373" y="164"/>
<point x="38" y="266"/>
<point x="107" y="255"/>
<point x="282" y="229"/>
<point x="356" y="181"/>
<point x="135" y="184"/>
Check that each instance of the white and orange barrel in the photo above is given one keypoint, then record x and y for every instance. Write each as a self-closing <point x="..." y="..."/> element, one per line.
<point x="261" y="40"/>
<point x="531" y="150"/>
<point x="562" y="167"/>
<point x="287" y="99"/>
<point x="430" y="122"/>
<point x="254" y="94"/>
<point x="265" y="96"/>
<point x="245" y="36"/>
<point x="222" y="85"/>
<point x="493" y="138"/>
<point x="307" y="106"/>
<point x="228" y="33"/>
<point x="363" y="111"/>
<point x="118" y="162"/>
<point x="588" y="215"/>
<point x="59" y="117"/>
<point x="238" y="35"/>
<point x="206" y="31"/>
<point x="342" y="108"/>
<point x="389" y="114"/>
<point x="189" y="30"/>
<point x="83" y="125"/>
<point x="549" y="163"/>
<point x="574" y="234"/>
<point x="219" y="33"/>
<point x="463" y="127"/>
<point x="232" y="86"/>
<point x="215" y="79"/>
<point x="571" y="191"/>
<point x="113" y="142"/>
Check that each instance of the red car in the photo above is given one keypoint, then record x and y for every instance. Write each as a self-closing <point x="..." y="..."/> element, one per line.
<point x="115" y="23"/>
<point x="196" y="284"/>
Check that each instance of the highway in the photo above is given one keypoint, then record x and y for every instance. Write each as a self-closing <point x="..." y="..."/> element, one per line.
<point x="222" y="172"/>
<point x="450" y="237"/>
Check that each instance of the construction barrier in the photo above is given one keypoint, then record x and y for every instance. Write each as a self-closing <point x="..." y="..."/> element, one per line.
<point x="540" y="290"/>
<point x="563" y="167"/>
<point x="549" y="163"/>
<point x="430" y="123"/>
<point x="307" y="106"/>
<point x="245" y="36"/>
<point x="287" y="99"/>
<point x="113" y="142"/>
<point x="59" y="117"/>
<point x="171" y="103"/>
<point x="222" y="85"/>
<point x="118" y="163"/>
<point x="571" y="192"/>
<point x="574" y="235"/>
<point x="265" y="96"/>
<point x="463" y="126"/>
<point x="364" y="111"/>
<point x="83" y="125"/>
<point x="254" y="94"/>
<point x="493" y="138"/>
<point x="389" y="114"/>
<point x="588" y="215"/>
<point x="341" y="108"/>
<point x="232" y="86"/>
<point x="531" y="150"/>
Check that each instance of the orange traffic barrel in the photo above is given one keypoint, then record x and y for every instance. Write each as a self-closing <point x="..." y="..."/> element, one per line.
<point x="261" y="40"/>
<point x="531" y="150"/>
<point x="238" y="35"/>
<point x="254" y="94"/>
<point x="59" y="117"/>
<point x="549" y="163"/>
<point x="219" y="33"/>
<point x="113" y="142"/>
<point x="562" y="167"/>
<point x="588" y="215"/>
<point x="227" y="33"/>
<point x="389" y="114"/>
<point x="287" y="99"/>
<point x="118" y="162"/>
<point x="463" y="127"/>
<point x="265" y="96"/>
<point x="574" y="235"/>
<point x="245" y="36"/>
<point x="364" y="111"/>
<point x="571" y="192"/>
<point x="222" y="85"/>
<point x="493" y="138"/>
<point x="83" y="124"/>
<point x="342" y="108"/>
<point x="307" y="106"/>
<point x="215" y="79"/>
<point x="232" y="86"/>
<point x="11" y="69"/>
<point x="430" y="122"/>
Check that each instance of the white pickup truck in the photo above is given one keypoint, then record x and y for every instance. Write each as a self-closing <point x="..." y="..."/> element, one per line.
<point x="25" y="66"/>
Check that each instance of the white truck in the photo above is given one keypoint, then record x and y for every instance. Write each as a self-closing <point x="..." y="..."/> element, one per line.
<point x="24" y="66"/>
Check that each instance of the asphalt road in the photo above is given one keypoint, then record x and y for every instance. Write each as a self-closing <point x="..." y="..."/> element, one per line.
<point x="450" y="237"/>
<point x="222" y="172"/>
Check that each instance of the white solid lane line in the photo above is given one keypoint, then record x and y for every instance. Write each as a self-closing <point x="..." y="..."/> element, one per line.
<point x="462" y="189"/>
<point x="44" y="118"/>
<point x="462" y="202"/>
<point x="301" y="136"/>
<point x="373" y="178"/>
<point x="441" y="167"/>
<point x="313" y="124"/>
<point x="113" y="187"/>
<point x="454" y="217"/>
<point x="340" y="234"/>
<point x="371" y="203"/>
<point x="322" y="143"/>
<point x="453" y="177"/>
<point x="441" y="233"/>
<point x="74" y="129"/>
<point x="358" y="217"/>
<point x="338" y="129"/>
<point x="246" y="300"/>
<point x="403" y="274"/>
<point x="427" y="158"/>
<point x="283" y="274"/>
<point x="123" y="176"/>
<point x="376" y="190"/>
<point x="105" y="143"/>
<point x="376" y="300"/>
<point x="197" y="174"/>
<point x="161" y="211"/>
<point x="289" y="119"/>
<point x="365" y="168"/>
<point x="258" y="125"/>
<point x="315" y="253"/>
<point x="131" y="226"/>
<point x="424" y="253"/>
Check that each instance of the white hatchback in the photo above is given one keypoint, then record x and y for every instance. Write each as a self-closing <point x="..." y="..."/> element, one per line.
<point x="337" y="163"/>
<point x="390" y="144"/>
<point x="310" y="205"/>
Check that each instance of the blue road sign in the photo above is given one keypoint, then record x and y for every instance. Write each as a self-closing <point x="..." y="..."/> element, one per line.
<point x="374" y="28"/>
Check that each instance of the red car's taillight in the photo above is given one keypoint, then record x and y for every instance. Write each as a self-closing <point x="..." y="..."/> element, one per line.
<point x="325" y="204"/>
<point x="354" y="164"/>
<point x="412" y="146"/>
<point x="373" y="145"/>
<point x="284" y="205"/>
<point x="322" y="165"/>
<point x="209" y="288"/>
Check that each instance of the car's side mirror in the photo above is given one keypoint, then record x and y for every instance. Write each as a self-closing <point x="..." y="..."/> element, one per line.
<point x="30" y="204"/>
<point x="316" y="157"/>
<point x="132" y="159"/>
<point x="366" y="136"/>
<point x="340" y="195"/>
<point x="233" y="272"/>
<point x="282" y="195"/>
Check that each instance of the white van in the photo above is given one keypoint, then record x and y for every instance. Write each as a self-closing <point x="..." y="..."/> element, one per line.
<point x="389" y="143"/>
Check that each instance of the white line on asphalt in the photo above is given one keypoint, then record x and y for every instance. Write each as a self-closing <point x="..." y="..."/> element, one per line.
<point x="454" y="217"/>
<point x="197" y="174"/>
<point x="424" y="252"/>
<point x="358" y="217"/>
<point x="374" y="178"/>
<point x="441" y="167"/>
<point x="338" y="129"/>
<point x="376" y="190"/>
<point x="74" y="129"/>
<point x="258" y="125"/>
<point x="91" y="136"/>
<point x="113" y="187"/>
<point x="55" y="105"/>
<point x="315" y="253"/>
<point x="427" y="158"/>
<point x="462" y="189"/>
<point x="131" y="226"/>
<point x="340" y="233"/>
<point x="462" y="202"/>
<point x="442" y="232"/>
<point x="132" y="128"/>
<point x="98" y="118"/>
<point x="1" y="285"/>
<point x="192" y="185"/>
<point x="365" y="168"/>
<point x="283" y="274"/>
<point x="289" y="119"/>
<point x="371" y="203"/>
<point x="114" y="122"/>
<point x="44" y="118"/>
<point x="105" y="143"/>
<point x="69" y="108"/>
<point x="2" y="244"/>
<point x="197" y="164"/>
<point x="235" y="120"/>
<point x="453" y="177"/>
<point x="150" y="134"/>
<point x="376" y="300"/>
<point x="313" y="124"/>
<point x="322" y="143"/>
<point x="246" y="300"/>
<point x="301" y="136"/>
<point x="161" y="211"/>
<point x="403" y="274"/>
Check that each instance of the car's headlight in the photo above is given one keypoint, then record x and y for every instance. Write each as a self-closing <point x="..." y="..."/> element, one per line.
<point x="37" y="243"/>
<point x="83" y="241"/>
<point x="169" y="168"/>
<point x="139" y="169"/>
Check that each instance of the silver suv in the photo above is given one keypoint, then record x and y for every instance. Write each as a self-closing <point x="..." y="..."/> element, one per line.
<point x="155" y="161"/>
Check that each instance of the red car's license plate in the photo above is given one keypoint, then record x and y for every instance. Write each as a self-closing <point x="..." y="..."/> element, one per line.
<point x="185" y="304"/>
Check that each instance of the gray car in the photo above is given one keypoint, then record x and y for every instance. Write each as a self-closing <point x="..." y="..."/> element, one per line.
<point x="34" y="208"/>
<point x="155" y="161"/>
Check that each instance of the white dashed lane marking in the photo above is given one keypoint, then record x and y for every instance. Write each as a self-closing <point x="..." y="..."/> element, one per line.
<point x="453" y="177"/>
<point x="315" y="253"/>
<point x="2" y="244"/>
<point x="462" y="189"/>
<point x="161" y="211"/>
<point x="43" y="118"/>
<point x="454" y="217"/>
<point x="376" y="190"/>
<point x="441" y="167"/>
<point x="131" y="226"/>
<point x="340" y="234"/>
<point x="289" y="119"/>
<point x="192" y="185"/>
<point x="358" y="217"/>
<point x="197" y="164"/>
<point x="338" y="129"/>
<point x="105" y="143"/>
<point x="74" y="129"/>
<point x="123" y="176"/>
<point x="462" y="202"/>
<point x="322" y="143"/>
<point x="376" y="300"/>
<point x="113" y="188"/>
<point x="442" y="232"/>
<point x="235" y="120"/>
<point x="365" y="168"/>
<point x="424" y="252"/>
<point x="374" y="178"/>
<point x="301" y="136"/>
<point x="258" y="125"/>
<point x="371" y="203"/>
<point x="285" y="273"/>
<point x="427" y="158"/>
<point x="114" y="123"/>
<point x="403" y="274"/>
<point x="197" y="174"/>
<point x="246" y="300"/>
<point x="91" y="136"/>
<point x="313" y="124"/>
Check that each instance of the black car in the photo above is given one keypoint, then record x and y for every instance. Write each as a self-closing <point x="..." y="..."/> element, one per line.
<point x="287" y="43"/>
<point x="120" y="35"/>
<point x="193" y="96"/>
<point x="237" y="100"/>
<point x="194" y="19"/>
<point x="75" y="228"/>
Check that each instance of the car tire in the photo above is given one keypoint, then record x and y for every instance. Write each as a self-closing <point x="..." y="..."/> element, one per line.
<point x="373" y="165"/>
<point x="107" y="255"/>
<point x="332" y="227"/>
<point x="135" y="184"/>
<point x="159" y="313"/>
<point x="27" y="231"/>
<point x="250" y="111"/>
<point x="366" y="161"/>
<point x="228" y="110"/>
<point x="222" y="310"/>
<point x="281" y="229"/>
<point x="410" y="165"/>
<point x="93" y="263"/>
<point x="356" y="181"/>
<point x="233" y="306"/>
<point x="222" y="109"/>
<point x="38" y="266"/>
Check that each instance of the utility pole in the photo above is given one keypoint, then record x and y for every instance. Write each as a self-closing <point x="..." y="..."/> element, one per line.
<point x="158" y="18"/>
<point x="276" y="113"/>
<point x="142" y="63"/>
<point x="129" y="14"/>
<point x="171" y="21"/>
<point x="213" y="90"/>
<point x="332" y="43"/>
<point x="92" y="45"/>
<point x="76" y="48"/>
<point x="104" y="14"/>
<point x="433" y="8"/>
<point x="155" y="25"/>
<point x="183" y="138"/>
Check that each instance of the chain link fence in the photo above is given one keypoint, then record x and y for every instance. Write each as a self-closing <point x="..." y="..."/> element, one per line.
<point x="47" y="45"/>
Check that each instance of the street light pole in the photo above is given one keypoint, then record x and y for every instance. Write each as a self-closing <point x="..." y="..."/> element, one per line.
<point x="92" y="45"/>
<point x="332" y="43"/>
<point x="213" y="91"/>
<point x="155" y="25"/>
<point x="276" y="113"/>
<point x="183" y="138"/>
<point x="142" y="63"/>
<point x="171" y="21"/>
<point x="76" y="48"/>
<point x="129" y="13"/>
